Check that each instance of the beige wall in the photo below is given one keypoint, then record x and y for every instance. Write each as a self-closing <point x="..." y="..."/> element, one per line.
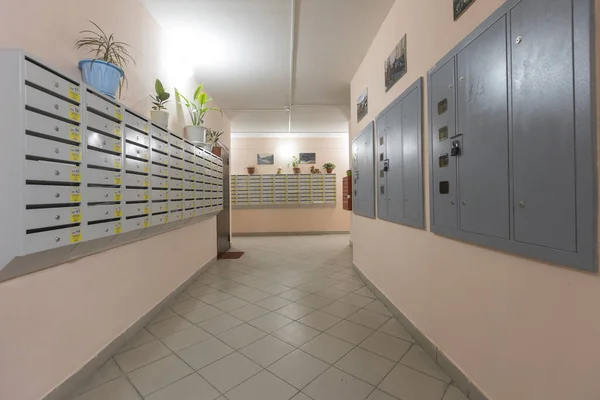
<point x="52" y="322"/>
<point x="520" y="329"/>
<point x="314" y="219"/>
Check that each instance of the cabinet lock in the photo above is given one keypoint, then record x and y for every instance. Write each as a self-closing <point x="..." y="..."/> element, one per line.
<point x="386" y="165"/>
<point x="455" y="151"/>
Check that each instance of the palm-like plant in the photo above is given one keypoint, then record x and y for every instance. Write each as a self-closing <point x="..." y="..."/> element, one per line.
<point x="104" y="47"/>
<point x="213" y="136"/>
<point x="198" y="106"/>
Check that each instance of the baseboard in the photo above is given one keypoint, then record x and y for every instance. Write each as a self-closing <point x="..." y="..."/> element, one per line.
<point x="458" y="376"/>
<point x="240" y="234"/>
<point x="71" y="384"/>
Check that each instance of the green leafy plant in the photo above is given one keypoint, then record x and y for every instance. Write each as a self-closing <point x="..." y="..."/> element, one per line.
<point x="161" y="98"/>
<point x="295" y="163"/>
<point x="104" y="47"/>
<point x="329" y="165"/>
<point x="213" y="136"/>
<point x="198" y="106"/>
<point x="349" y="173"/>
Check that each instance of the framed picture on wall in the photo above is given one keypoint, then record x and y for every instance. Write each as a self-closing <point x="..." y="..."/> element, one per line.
<point x="265" y="159"/>
<point x="362" y="106"/>
<point x="395" y="66"/>
<point x="308" y="158"/>
<point x="460" y="6"/>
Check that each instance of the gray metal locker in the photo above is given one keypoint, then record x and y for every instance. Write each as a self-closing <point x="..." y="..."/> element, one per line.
<point x="544" y="137"/>
<point x="364" y="173"/>
<point x="394" y="191"/>
<point x="442" y="114"/>
<point x="482" y="105"/>
<point x="412" y="171"/>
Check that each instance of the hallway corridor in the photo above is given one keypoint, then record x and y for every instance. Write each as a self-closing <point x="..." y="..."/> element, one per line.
<point x="289" y="320"/>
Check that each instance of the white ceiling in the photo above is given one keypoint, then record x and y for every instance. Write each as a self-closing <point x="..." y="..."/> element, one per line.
<point x="243" y="51"/>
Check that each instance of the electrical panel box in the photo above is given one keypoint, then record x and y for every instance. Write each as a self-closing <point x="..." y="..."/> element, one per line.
<point x="363" y="173"/>
<point x="399" y="160"/>
<point x="513" y="137"/>
<point x="81" y="172"/>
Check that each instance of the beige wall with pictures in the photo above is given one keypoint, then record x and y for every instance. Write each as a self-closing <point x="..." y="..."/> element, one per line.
<point x="54" y="321"/>
<point x="520" y="329"/>
<point x="313" y="219"/>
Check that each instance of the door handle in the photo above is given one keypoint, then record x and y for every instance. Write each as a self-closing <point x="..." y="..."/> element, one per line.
<point x="386" y="165"/>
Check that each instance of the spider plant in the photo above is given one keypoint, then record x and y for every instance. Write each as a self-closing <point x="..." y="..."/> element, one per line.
<point x="198" y="106"/>
<point x="295" y="163"/>
<point x="213" y="136"/>
<point x="161" y="98"/>
<point x="104" y="47"/>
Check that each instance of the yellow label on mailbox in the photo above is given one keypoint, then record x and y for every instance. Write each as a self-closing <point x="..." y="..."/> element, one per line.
<point x="117" y="179"/>
<point x="146" y="127"/>
<point x="74" y="134"/>
<point x="75" y="235"/>
<point x="145" y="168"/>
<point x="117" y="147"/>
<point x="117" y="163"/>
<point x="75" y="154"/>
<point x="74" y="113"/>
<point x="74" y="92"/>
<point x="75" y="195"/>
<point x="146" y="184"/>
<point x="75" y="215"/>
<point x="118" y="228"/>
<point x="118" y="195"/>
<point x="117" y="130"/>
<point x="166" y="219"/>
<point x="146" y="210"/>
<point x="166" y="185"/>
<point x="146" y="195"/>
<point x="118" y="114"/>
<point x="118" y="212"/>
<point x="146" y="223"/>
<point x="75" y="175"/>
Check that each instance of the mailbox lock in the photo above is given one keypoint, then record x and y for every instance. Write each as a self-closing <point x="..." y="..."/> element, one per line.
<point x="106" y="126"/>
<point x="462" y="78"/>
<point x="57" y="239"/>
<point x="452" y="202"/>
<point x="106" y="108"/>
<point x="464" y="203"/>
<point x="56" y="150"/>
<point x="57" y="195"/>
<point x="57" y="217"/>
<point x="519" y="39"/>
<point x="57" y="128"/>
<point x="105" y="194"/>
<point x="56" y="84"/>
<point x="57" y="172"/>
<point x="106" y="213"/>
<point x="522" y="204"/>
<point x="56" y="106"/>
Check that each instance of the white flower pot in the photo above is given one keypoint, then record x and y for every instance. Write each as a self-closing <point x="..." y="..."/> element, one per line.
<point x="195" y="134"/>
<point x="160" y="118"/>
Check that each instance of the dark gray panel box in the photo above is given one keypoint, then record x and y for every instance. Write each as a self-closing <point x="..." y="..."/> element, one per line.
<point x="363" y="173"/>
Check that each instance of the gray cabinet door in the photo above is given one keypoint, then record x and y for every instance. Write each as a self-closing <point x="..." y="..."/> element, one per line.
<point x="482" y="105"/>
<point x="380" y="155"/>
<point x="543" y="123"/>
<point x="355" y="198"/>
<point x="394" y="155"/>
<point x="364" y="176"/>
<point x="411" y="157"/>
<point x="443" y="124"/>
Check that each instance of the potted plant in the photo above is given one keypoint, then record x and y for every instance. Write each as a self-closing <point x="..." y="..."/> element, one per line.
<point x="278" y="170"/>
<point x="197" y="108"/>
<point x="161" y="98"/>
<point x="349" y="173"/>
<point x="295" y="164"/>
<point x="329" y="167"/>
<point x="251" y="169"/>
<point x="104" y="72"/>
<point x="212" y="137"/>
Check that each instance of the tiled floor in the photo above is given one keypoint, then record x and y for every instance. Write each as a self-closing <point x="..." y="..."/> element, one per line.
<point x="289" y="320"/>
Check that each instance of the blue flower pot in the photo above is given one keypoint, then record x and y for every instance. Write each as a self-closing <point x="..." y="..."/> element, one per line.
<point x="101" y="75"/>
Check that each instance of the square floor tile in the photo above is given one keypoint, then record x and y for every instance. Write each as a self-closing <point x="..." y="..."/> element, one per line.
<point x="241" y="336"/>
<point x="332" y="293"/>
<point x="142" y="355"/>
<point x="365" y="365"/>
<point x="273" y="303"/>
<point x="348" y="286"/>
<point x="275" y="288"/>
<point x="192" y="387"/>
<point x="296" y="334"/>
<point x="356" y="300"/>
<point x="295" y="311"/>
<point x="106" y="373"/>
<point x="408" y="384"/>
<point x="379" y="395"/>
<point x="454" y="393"/>
<point x="214" y="297"/>
<point x="320" y="320"/>
<point x="164" y="314"/>
<point x="327" y="348"/>
<point x="200" y="291"/>
<point x="159" y="374"/>
<point x="368" y="318"/>
<point x="140" y="338"/>
<point x="185" y="338"/>
<point x="204" y="353"/>
<point x="293" y="294"/>
<point x="168" y="326"/>
<point x="350" y="332"/>
<point x="201" y="314"/>
<point x="220" y="323"/>
<point x="315" y="301"/>
<point x="270" y="322"/>
<point x="249" y="312"/>
<point x="298" y="368"/>
<point x="254" y="295"/>
<point x="337" y="385"/>
<point x="386" y="345"/>
<point x="417" y="359"/>
<point x="229" y="371"/>
<point x="340" y="309"/>
<point x="118" y="389"/>
<point x="262" y="386"/>
<point x="233" y="303"/>
<point x="393" y="327"/>
<point x="267" y="350"/>
<point x="378" y="307"/>
<point x="187" y="305"/>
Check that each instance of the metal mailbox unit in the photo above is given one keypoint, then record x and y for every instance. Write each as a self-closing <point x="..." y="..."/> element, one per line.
<point x="399" y="160"/>
<point x="81" y="173"/>
<point x="512" y="134"/>
<point x="363" y="173"/>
